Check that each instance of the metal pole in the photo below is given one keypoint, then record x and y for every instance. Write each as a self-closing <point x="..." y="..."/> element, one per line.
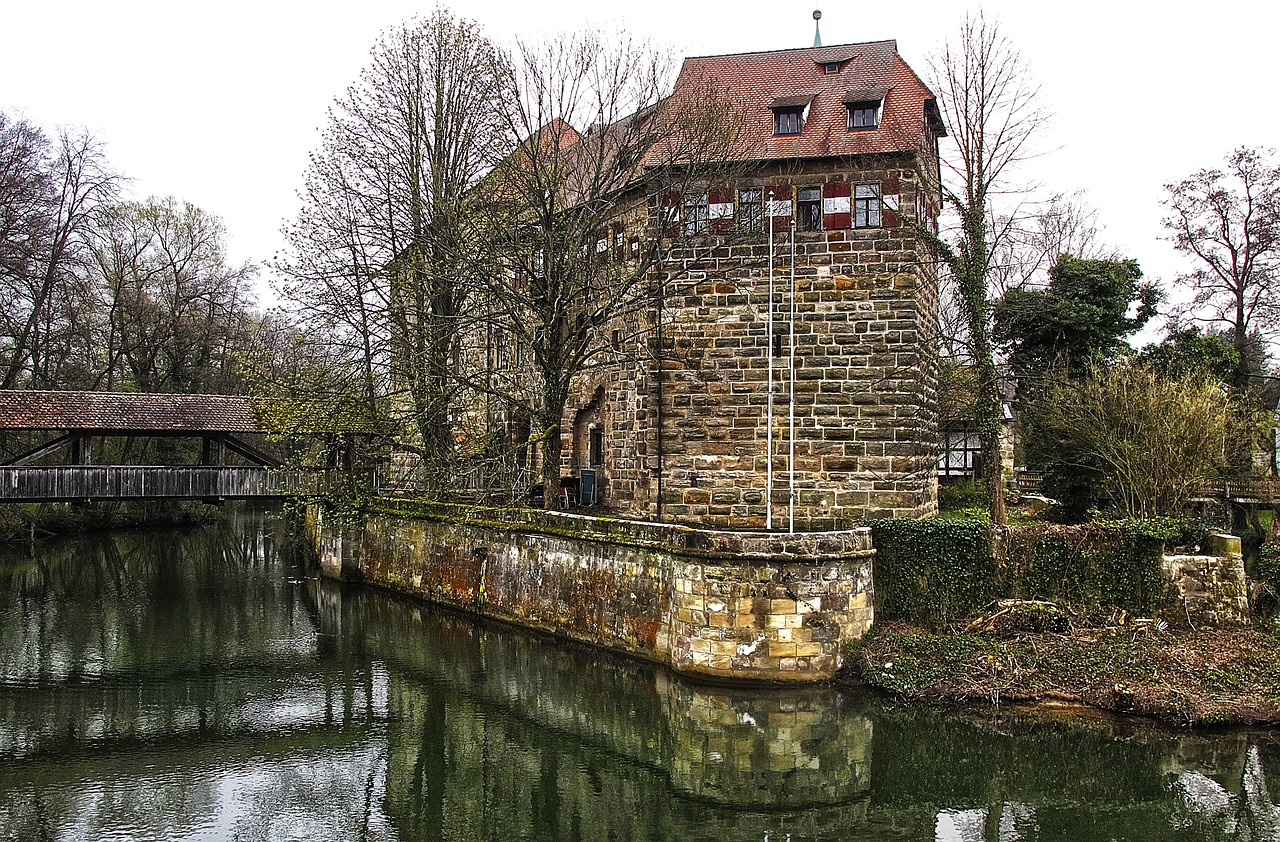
<point x="660" y="356"/>
<point x="768" y="492"/>
<point x="791" y="397"/>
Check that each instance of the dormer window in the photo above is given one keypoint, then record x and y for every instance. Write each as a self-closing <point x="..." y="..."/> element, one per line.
<point x="788" y="120"/>
<point x="832" y="62"/>
<point x="864" y="116"/>
<point x="789" y="113"/>
<point x="864" y="108"/>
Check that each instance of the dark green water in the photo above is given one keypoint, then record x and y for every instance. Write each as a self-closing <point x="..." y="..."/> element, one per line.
<point x="200" y="685"/>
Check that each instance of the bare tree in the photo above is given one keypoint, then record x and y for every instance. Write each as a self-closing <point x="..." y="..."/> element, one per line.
<point x="49" y="194"/>
<point x="1229" y="221"/>
<point x="176" y="313"/>
<point x="991" y="108"/>
<point x="1039" y="234"/>
<point x="584" y="221"/>
<point x="1101" y="425"/>
<point x="382" y="256"/>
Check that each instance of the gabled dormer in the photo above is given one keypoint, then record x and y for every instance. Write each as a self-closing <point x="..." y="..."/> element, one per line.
<point x="790" y="113"/>
<point x="863" y="108"/>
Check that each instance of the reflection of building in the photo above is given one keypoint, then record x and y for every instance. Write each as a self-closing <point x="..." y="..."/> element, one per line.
<point x="839" y="175"/>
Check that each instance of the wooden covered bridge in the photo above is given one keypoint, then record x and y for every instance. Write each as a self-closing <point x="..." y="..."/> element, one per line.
<point x="70" y="428"/>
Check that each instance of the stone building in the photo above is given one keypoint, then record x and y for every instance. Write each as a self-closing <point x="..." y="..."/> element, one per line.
<point x="836" y="182"/>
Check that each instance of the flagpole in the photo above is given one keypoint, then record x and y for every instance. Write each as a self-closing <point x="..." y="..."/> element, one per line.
<point x="791" y="398"/>
<point x="768" y="493"/>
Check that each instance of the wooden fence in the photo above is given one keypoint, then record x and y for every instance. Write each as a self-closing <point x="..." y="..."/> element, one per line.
<point x="129" y="482"/>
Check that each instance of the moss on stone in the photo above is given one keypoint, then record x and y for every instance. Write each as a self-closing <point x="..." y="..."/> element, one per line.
<point x="1186" y="678"/>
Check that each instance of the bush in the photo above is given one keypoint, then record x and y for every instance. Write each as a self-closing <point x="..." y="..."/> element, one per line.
<point x="934" y="571"/>
<point x="962" y="495"/>
<point x="1105" y="564"/>
<point x="1265" y="593"/>
<point x="1149" y="442"/>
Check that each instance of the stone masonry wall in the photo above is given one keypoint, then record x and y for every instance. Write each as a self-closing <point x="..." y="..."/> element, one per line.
<point x="866" y="326"/>
<point x="726" y="605"/>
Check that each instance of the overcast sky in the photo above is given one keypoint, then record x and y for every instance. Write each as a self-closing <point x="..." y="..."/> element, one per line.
<point x="219" y="104"/>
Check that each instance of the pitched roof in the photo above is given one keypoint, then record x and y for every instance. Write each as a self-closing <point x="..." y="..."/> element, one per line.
<point x="762" y="81"/>
<point x="116" y="411"/>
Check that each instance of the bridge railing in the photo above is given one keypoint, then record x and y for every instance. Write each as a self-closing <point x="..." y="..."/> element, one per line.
<point x="1247" y="490"/>
<point x="134" y="482"/>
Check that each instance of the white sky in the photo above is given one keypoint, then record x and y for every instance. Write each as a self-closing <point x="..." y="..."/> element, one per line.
<point x="219" y="105"/>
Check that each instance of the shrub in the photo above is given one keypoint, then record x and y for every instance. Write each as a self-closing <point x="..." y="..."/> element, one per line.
<point x="934" y="571"/>
<point x="963" y="495"/>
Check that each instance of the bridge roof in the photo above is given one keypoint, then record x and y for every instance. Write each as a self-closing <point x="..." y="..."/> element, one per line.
<point x="121" y="411"/>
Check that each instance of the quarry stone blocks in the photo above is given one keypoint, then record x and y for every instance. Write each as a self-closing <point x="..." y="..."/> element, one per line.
<point x="725" y="605"/>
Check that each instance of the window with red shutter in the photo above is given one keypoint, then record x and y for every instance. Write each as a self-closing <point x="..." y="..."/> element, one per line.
<point x="777" y="207"/>
<point x="671" y="213"/>
<point x="720" y="210"/>
<point x="809" y="208"/>
<point x="619" y="243"/>
<point x="836" y="205"/>
<point x="751" y="210"/>
<point x="866" y="206"/>
<point x="695" y="214"/>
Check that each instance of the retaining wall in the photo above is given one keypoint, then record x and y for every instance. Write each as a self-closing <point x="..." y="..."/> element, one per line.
<point x="716" y="604"/>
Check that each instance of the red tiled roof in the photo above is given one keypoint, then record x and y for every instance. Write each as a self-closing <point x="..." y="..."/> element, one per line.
<point x="761" y="80"/>
<point x="116" y="411"/>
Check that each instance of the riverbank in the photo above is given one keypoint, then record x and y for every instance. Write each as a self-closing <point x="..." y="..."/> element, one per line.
<point x="1184" y="678"/>
<point x="24" y="521"/>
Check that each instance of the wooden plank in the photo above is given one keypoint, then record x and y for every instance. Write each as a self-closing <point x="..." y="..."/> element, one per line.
<point x="128" y="482"/>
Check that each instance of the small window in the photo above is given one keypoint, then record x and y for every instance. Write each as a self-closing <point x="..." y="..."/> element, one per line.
<point x="831" y="68"/>
<point x="751" y="210"/>
<point x="781" y="333"/>
<point x="788" y="121"/>
<point x="596" y="455"/>
<point x="866" y="206"/>
<point x="864" y="116"/>
<point x="809" y="208"/>
<point x="695" y="214"/>
<point x="499" y="343"/>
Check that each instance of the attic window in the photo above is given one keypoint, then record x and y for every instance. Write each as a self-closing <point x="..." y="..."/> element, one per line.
<point x="788" y="120"/>
<point x="864" y="116"/>
<point x="831" y="68"/>
<point x="789" y="114"/>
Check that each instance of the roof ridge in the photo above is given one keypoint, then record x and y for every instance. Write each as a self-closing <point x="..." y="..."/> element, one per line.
<point x="101" y="392"/>
<point x="893" y="41"/>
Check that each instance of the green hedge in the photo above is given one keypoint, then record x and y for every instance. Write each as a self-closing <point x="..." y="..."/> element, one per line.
<point x="1106" y="564"/>
<point x="1267" y="567"/>
<point x="934" y="571"/>
<point x="930" y="571"/>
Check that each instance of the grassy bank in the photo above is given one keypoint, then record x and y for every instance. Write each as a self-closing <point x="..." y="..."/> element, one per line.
<point x="1206" y="677"/>
<point x="23" y="521"/>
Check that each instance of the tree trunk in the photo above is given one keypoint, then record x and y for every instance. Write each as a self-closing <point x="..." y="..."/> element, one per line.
<point x="551" y="450"/>
<point x="990" y="418"/>
<point x="555" y="396"/>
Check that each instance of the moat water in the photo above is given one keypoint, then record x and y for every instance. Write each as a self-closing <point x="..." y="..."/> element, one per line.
<point x="201" y="684"/>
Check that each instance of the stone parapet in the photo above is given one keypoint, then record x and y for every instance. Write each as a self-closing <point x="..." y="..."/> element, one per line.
<point x="717" y="604"/>
<point x="1212" y="589"/>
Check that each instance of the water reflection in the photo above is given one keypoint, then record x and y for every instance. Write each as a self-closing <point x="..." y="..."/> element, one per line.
<point x="196" y="685"/>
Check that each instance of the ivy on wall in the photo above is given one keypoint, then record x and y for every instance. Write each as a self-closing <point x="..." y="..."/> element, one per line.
<point x="932" y="572"/>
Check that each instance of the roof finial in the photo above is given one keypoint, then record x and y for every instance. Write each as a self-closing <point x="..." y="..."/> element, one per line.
<point x="817" y="36"/>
